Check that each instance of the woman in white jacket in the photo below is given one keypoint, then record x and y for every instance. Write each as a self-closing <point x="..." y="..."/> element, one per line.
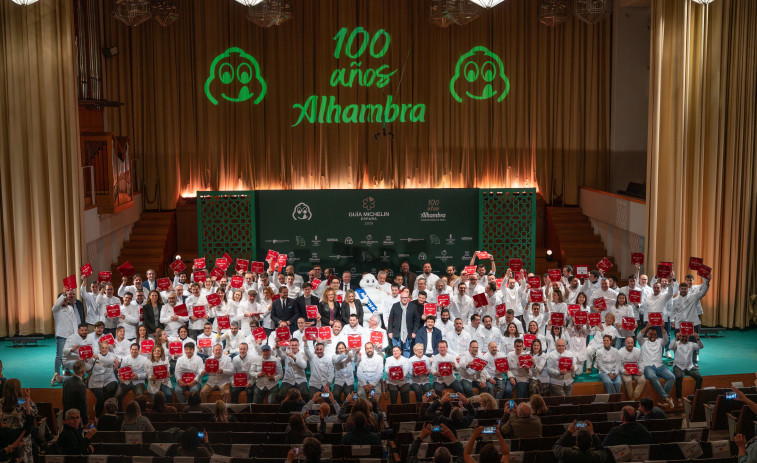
<point x="344" y="371"/>
<point x="158" y="358"/>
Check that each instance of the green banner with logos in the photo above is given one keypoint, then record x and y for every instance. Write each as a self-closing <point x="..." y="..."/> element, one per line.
<point x="366" y="230"/>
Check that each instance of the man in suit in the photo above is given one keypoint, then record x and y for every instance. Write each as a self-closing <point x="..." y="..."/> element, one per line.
<point x="347" y="283"/>
<point x="307" y="298"/>
<point x="407" y="275"/>
<point x="284" y="310"/>
<point x="403" y="323"/>
<point x="75" y="391"/>
<point x="151" y="283"/>
<point x="429" y="336"/>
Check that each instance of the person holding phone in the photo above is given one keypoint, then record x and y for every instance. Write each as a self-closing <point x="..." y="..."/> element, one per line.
<point x="194" y="443"/>
<point x="442" y="453"/>
<point x="580" y="444"/>
<point x="16" y="406"/>
<point x="519" y="423"/>
<point x="488" y="452"/>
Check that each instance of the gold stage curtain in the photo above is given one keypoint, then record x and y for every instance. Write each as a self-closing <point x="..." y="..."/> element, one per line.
<point x="40" y="197"/>
<point x="552" y="127"/>
<point x="702" y="185"/>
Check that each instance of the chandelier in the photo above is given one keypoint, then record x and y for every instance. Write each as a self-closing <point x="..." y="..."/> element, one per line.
<point x="165" y="12"/>
<point x="269" y="13"/>
<point x="701" y="2"/>
<point x="446" y="12"/>
<point x="249" y="2"/>
<point x="592" y="11"/>
<point x="24" y="2"/>
<point x="132" y="12"/>
<point x="488" y="3"/>
<point x="553" y="12"/>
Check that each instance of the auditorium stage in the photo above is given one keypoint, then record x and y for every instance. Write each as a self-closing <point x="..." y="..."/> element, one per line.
<point x="735" y="353"/>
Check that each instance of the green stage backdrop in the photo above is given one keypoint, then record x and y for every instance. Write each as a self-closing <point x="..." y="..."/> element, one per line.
<point x="365" y="230"/>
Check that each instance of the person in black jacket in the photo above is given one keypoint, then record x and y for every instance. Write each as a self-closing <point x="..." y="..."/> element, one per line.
<point x="284" y="310"/>
<point x="13" y="438"/>
<point x="151" y="312"/>
<point x="302" y="302"/>
<point x="297" y="430"/>
<point x="445" y="412"/>
<point x="311" y="451"/>
<point x="361" y="433"/>
<point x="346" y="308"/>
<point x="585" y="447"/>
<point x="412" y="323"/>
<point x="442" y="453"/>
<point x="71" y="441"/>
<point x="629" y="432"/>
<point x="75" y="391"/>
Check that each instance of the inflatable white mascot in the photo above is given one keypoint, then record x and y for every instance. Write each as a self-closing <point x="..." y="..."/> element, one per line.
<point x="369" y="284"/>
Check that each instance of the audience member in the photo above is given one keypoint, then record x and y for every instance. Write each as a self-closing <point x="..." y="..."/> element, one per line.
<point x="159" y="404"/>
<point x="361" y="433"/>
<point x="133" y="419"/>
<point x="629" y="432"/>
<point x="442" y="454"/>
<point x="580" y="445"/>
<point x="311" y="451"/>
<point x="296" y="431"/>
<point x="521" y="423"/>
<point x="70" y="440"/>
<point x="488" y="453"/>
<point x="110" y="421"/>
<point x="648" y="411"/>
<point x="194" y="443"/>
<point x="75" y="391"/>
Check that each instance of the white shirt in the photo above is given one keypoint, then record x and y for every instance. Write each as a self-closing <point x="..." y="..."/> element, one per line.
<point x="656" y="304"/>
<point x="439" y="358"/>
<point x="344" y="368"/>
<point x="403" y="363"/>
<point x="224" y="374"/>
<point x="207" y="351"/>
<point x="553" y="368"/>
<point x="244" y="365"/>
<point x="232" y="341"/>
<point x="633" y="356"/>
<point x="491" y="368"/>
<point x="608" y="360"/>
<point x="685" y="353"/>
<point x="263" y="382"/>
<point x="420" y="379"/>
<point x="154" y="386"/>
<point x="193" y="301"/>
<point x="189" y="365"/>
<point x="461" y="307"/>
<point x="172" y="327"/>
<point x="102" y="371"/>
<point x="69" y="353"/>
<point x="469" y="374"/>
<point x="130" y="320"/>
<point x="90" y="302"/>
<point x="459" y="342"/>
<point x="651" y="352"/>
<point x="321" y="369"/>
<point x="370" y="369"/>
<point x="103" y="302"/>
<point x="137" y="367"/>
<point x="521" y="375"/>
<point x="685" y="308"/>
<point x="294" y="369"/>
<point x="488" y="335"/>
<point x="512" y="297"/>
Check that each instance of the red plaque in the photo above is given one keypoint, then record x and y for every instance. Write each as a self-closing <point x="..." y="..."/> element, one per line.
<point x="199" y="277"/>
<point x="163" y="284"/>
<point x="104" y="277"/>
<point x="634" y="296"/>
<point x="470" y="269"/>
<point x="445" y="369"/>
<point x="605" y="264"/>
<point x="655" y="319"/>
<point x="572" y="309"/>
<point x="600" y="304"/>
<point x="695" y="262"/>
<point x="525" y="361"/>
<point x="272" y="256"/>
<point x="223" y="322"/>
<point x="499" y="282"/>
<point x="687" y="328"/>
<point x="283" y="334"/>
<point x="109" y="339"/>
<point x="177" y="266"/>
<point x="443" y="300"/>
<point x="554" y="275"/>
<point x="113" y="310"/>
<point x="126" y="372"/>
<point x="222" y="264"/>
<point x="240" y="379"/>
<point x="637" y="258"/>
<point x="354" y="341"/>
<point x="213" y="300"/>
<point x="516" y="265"/>
<point x="311" y="333"/>
<point x="478" y="364"/>
<point x="257" y="267"/>
<point x="396" y="373"/>
<point x="664" y="269"/>
<point x="69" y="282"/>
<point x="160" y="371"/>
<point x="175" y="348"/>
<point x="501" y="365"/>
<point x="377" y="338"/>
<point x="479" y="300"/>
<point x="528" y="340"/>
<point x="85" y="352"/>
<point x="429" y="309"/>
<point x="420" y="368"/>
<point x="536" y="295"/>
<point x="181" y="310"/>
<point x="629" y="323"/>
<point x="534" y="282"/>
<point x="204" y="343"/>
<point x="86" y="270"/>
<point x="557" y="319"/>
<point x="217" y="273"/>
<point x="595" y="319"/>
<point x="146" y="346"/>
<point x="324" y="332"/>
<point x="211" y="365"/>
<point x="565" y="363"/>
<point x="501" y="310"/>
<point x="268" y="368"/>
<point x="187" y="377"/>
<point x="259" y="334"/>
<point x="199" y="311"/>
<point x="126" y="270"/>
<point x="315" y="283"/>
<point x="237" y="282"/>
<point x="312" y="311"/>
<point x="631" y="368"/>
<point x="704" y="271"/>
<point x="582" y="271"/>
<point x="199" y="263"/>
<point x="582" y="317"/>
<point x="242" y="265"/>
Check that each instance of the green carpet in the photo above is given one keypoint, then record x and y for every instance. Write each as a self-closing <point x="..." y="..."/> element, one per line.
<point x="735" y="353"/>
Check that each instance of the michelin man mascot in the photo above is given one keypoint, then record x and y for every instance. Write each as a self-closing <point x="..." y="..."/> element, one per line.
<point x="370" y="296"/>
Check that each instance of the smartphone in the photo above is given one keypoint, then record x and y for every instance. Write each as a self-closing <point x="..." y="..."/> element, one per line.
<point x="580" y="424"/>
<point x="728" y="395"/>
<point x="296" y="450"/>
<point x="313" y="412"/>
<point x="429" y="393"/>
<point x="201" y="435"/>
<point x="354" y="396"/>
<point x="436" y="429"/>
<point x="453" y="395"/>
<point x="91" y="425"/>
<point x="373" y="393"/>
<point x="512" y="404"/>
<point x="325" y="395"/>
<point x="490" y="430"/>
<point x="21" y="401"/>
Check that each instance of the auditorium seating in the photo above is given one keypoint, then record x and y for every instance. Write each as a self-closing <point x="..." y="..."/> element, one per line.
<point x="742" y="421"/>
<point x="257" y="434"/>
<point x="717" y="413"/>
<point x="694" y="404"/>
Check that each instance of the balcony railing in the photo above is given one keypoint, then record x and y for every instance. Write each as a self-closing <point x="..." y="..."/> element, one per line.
<point x="107" y="172"/>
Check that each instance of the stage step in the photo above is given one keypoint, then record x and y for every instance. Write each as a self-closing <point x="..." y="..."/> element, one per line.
<point x="151" y="244"/>
<point x="573" y="239"/>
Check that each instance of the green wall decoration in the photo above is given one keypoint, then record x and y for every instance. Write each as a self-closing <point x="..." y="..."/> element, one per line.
<point x="236" y="74"/>
<point x="507" y="223"/>
<point x="479" y="75"/>
<point x="226" y="223"/>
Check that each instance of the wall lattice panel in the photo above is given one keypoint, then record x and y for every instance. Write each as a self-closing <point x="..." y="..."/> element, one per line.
<point x="226" y="223"/>
<point x="508" y="226"/>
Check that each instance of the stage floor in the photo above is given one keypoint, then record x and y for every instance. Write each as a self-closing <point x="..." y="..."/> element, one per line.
<point x="735" y="353"/>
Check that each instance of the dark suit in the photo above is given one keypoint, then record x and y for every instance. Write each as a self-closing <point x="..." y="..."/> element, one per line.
<point x="344" y="312"/>
<point x="421" y="337"/>
<point x="395" y="325"/>
<point x="146" y="284"/>
<point x="284" y="311"/>
<point x="351" y="285"/>
<point x="75" y="396"/>
<point x="149" y="317"/>
<point x="302" y="302"/>
<point x="409" y="280"/>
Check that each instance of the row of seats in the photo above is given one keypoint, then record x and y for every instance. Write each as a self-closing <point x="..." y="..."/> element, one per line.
<point x="694" y="405"/>
<point x="246" y="450"/>
<point x="142" y="459"/>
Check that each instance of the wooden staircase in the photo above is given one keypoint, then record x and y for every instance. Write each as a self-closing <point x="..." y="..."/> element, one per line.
<point x="572" y="239"/>
<point x="151" y="244"/>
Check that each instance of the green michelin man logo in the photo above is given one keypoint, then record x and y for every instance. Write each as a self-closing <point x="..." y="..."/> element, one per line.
<point x="479" y="74"/>
<point x="233" y="73"/>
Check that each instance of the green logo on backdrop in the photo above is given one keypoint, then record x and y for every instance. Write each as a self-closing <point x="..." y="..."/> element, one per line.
<point x="480" y="75"/>
<point x="236" y="75"/>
